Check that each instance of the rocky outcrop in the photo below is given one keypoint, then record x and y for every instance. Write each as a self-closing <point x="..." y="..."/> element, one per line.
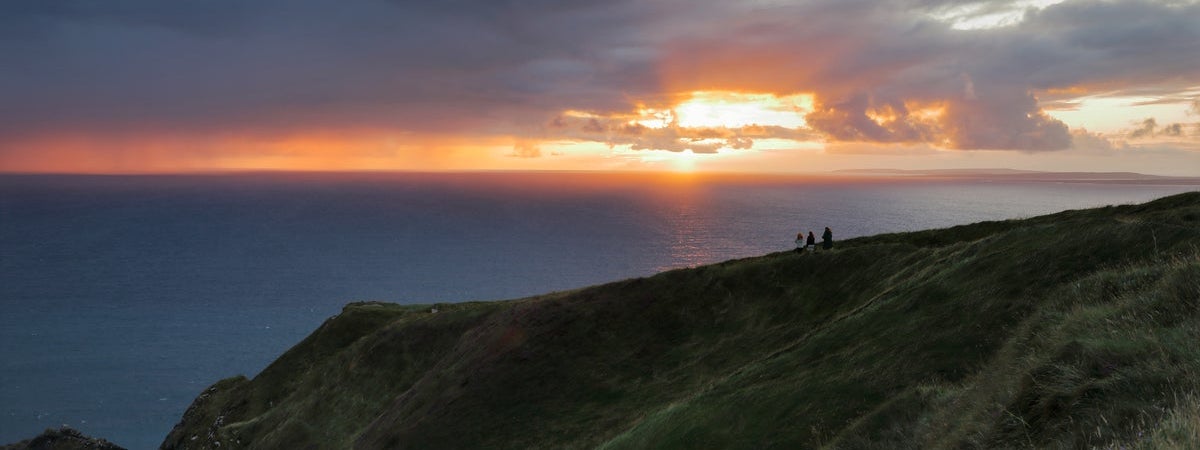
<point x="65" y="438"/>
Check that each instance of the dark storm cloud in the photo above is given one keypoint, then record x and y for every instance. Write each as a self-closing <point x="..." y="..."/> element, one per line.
<point x="482" y="67"/>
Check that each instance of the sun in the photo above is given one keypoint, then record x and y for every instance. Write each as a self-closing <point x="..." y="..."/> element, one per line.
<point x="678" y="162"/>
<point x="683" y="162"/>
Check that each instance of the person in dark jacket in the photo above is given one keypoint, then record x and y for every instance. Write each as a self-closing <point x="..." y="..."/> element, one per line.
<point x="827" y="239"/>
<point x="811" y="244"/>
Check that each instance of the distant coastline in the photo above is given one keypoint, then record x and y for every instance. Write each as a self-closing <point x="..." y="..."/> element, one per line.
<point x="1028" y="175"/>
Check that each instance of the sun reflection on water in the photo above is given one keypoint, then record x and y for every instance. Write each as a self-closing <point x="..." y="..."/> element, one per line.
<point x="687" y="229"/>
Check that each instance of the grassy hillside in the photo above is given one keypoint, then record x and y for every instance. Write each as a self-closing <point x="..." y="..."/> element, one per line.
<point x="1073" y="330"/>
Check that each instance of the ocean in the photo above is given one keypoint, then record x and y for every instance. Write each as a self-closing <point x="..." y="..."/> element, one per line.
<point x="122" y="297"/>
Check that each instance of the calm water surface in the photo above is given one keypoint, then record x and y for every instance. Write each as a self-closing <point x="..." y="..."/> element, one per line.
<point x="121" y="298"/>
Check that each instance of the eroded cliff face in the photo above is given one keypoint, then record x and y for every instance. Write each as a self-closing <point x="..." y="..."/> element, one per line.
<point x="1073" y="330"/>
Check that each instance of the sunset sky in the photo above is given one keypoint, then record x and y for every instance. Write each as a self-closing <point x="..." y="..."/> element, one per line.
<point x="670" y="85"/>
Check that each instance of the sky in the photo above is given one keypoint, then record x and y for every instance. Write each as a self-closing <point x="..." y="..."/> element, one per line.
<point x="131" y="86"/>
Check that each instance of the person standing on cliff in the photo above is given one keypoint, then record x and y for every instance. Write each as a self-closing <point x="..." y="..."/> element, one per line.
<point x="811" y="244"/>
<point x="827" y="239"/>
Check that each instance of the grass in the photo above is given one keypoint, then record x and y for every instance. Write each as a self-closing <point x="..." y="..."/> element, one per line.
<point x="1073" y="330"/>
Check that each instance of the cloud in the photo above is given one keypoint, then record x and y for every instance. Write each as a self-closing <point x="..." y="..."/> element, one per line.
<point x="848" y="120"/>
<point x="626" y="130"/>
<point x="863" y="60"/>
<point x="451" y="67"/>
<point x="1149" y="128"/>
<point x="1084" y="140"/>
<point x="1146" y="129"/>
<point x="525" y="148"/>
<point x="888" y="72"/>
<point x="1175" y="129"/>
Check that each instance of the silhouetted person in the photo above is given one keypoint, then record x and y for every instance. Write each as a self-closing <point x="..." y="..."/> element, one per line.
<point x="811" y="245"/>
<point x="827" y="239"/>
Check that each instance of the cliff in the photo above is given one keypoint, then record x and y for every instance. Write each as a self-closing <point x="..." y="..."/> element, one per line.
<point x="1072" y="330"/>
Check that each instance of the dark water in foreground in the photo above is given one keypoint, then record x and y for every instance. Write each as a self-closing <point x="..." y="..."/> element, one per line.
<point x="121" y="298"/>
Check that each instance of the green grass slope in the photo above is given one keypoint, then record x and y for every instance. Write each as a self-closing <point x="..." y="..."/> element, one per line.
<point x="1073" y="330"/>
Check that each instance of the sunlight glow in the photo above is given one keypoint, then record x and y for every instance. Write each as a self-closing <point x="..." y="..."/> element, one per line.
<point x="655" y="118"/>
<point x="885" y="115"/>
<point x="722" y="109"/>
<point x="1096" y="112"/>
<point x="929" y="113"/>
<point x="735" y="110"/>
